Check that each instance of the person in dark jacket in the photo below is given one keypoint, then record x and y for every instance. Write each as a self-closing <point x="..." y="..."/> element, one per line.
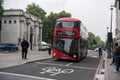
<point x="49" y="50"/>
<point x="100" y="51"/>
<point x="116" y="52"/>
<point x="25" y="46"/>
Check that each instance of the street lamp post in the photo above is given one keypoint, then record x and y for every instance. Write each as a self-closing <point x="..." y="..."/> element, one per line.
<point x="111" y="18"/>
<point x="107" y="29"/>
<point x="107" y="37"/>
<point x="111" y="43"/>
<point x="110" y="39"/>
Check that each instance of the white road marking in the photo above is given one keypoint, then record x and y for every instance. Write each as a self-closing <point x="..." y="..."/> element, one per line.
<point x="49" y="63"/>
<point x="54" y="71"/>
<point x="66" y="66"/>
<point x="100" y="77"/>
<point x="84" y="68"/>
<point x="95" y="56"/>
<point x="28" y="76"/>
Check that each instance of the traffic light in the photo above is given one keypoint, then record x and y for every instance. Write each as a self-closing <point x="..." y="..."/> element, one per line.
<point x="119" y="4"/>
<point x="110" y="37"/>
<point x="91" y="43"/>
<point x="0" y="24"/>
<point x="94" y="41"/>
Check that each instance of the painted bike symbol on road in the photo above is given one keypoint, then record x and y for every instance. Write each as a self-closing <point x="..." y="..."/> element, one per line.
<point x="54" y="71"/>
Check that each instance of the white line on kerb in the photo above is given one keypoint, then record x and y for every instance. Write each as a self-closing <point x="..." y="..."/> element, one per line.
<point x="28" y="76"/>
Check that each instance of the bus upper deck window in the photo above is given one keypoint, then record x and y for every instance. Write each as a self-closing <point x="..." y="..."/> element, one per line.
<point x="58" y="24"/>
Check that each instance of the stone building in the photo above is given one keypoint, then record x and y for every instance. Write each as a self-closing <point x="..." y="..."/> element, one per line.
<point x="16" y="25"/>
<point x="117" y="30"/>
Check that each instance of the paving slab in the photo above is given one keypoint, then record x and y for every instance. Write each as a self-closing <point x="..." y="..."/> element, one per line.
<point x="8" y="59"/>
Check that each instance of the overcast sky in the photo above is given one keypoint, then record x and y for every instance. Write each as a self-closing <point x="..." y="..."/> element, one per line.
<point x="95" y="14"/>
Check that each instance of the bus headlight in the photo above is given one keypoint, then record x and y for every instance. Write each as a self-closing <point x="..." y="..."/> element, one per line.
<point x="54" y="54"/>
<point x="74" y="56"/>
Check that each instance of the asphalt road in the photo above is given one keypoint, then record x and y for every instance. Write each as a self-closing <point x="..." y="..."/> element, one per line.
<point x="53" y="70"/>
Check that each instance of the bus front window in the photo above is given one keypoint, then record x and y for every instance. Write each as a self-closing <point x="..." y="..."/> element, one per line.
<point x="67" y="24"/>
<point x="65" y="45"/>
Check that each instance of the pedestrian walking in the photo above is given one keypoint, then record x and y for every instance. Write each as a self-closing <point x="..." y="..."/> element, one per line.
<point x="116" y="52"/>
<point x="100" y="51"/>
<point x="49" y="50"/>
<point x="50" y="47"/>
<point x="24" y="45"/>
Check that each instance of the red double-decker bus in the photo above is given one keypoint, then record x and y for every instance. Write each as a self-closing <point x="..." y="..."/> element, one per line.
<point x="69" y="40"/>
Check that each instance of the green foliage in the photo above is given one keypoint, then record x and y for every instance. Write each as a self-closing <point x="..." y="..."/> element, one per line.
<point x="92" y="37"/>
<point x="47" y="30"/>
<point x="36" y="10"/>
<point x="1" y="8"/>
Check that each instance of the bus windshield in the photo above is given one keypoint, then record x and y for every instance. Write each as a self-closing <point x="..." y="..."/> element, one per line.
<point x="65" y="45"/>
<point x="67" y="24"/>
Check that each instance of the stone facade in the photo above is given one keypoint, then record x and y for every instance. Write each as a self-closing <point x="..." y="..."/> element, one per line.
<point x="117" y="30"/>
<point x="16" y="25"/>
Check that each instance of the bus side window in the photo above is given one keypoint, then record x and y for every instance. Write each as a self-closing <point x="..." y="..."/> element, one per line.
<point x="81" y="43"/>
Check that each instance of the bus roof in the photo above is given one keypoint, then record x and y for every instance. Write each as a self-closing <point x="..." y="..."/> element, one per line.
<point x="68" y="19"/>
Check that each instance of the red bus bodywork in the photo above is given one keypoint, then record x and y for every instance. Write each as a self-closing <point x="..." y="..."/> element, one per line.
<point x="67" y="40"/>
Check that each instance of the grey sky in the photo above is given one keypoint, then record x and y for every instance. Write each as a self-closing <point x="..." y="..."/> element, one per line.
<point x="95" y="14"/>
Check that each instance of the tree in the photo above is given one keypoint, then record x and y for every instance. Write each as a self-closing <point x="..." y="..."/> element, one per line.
<point x="47" y="30"/>
<point x="1" y="14"/>
<point x="1" y="8"/>
<point x="91" y="37"/>
<point x="36" y="11"/>
<point x="94" y="41"/>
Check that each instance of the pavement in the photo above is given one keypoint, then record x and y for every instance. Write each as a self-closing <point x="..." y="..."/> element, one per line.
<point x="110" y="70"/>
<point x="8" y="59"/>
<point x="105" y="71"/>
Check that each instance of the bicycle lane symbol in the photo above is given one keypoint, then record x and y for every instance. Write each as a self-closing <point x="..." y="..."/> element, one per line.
<point x="54" y="71"/>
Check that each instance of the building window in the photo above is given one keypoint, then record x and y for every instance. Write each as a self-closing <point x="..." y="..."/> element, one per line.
<point x="10" y="21"/>
<point x="5" y="21"/>
<point x="14" y="21"/>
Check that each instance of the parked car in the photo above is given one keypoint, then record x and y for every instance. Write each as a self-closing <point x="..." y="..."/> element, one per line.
<point x="96" y="49"/>
<point x="8" y="47"/>
<point x="44" y="48"/>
